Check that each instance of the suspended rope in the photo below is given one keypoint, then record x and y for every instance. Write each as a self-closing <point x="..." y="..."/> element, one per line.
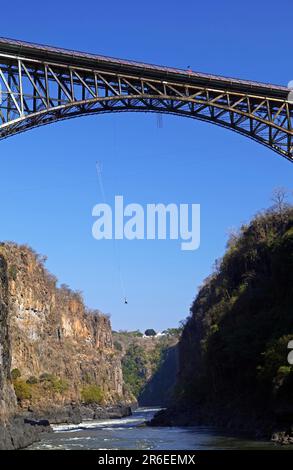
<point x="116" y="250"/>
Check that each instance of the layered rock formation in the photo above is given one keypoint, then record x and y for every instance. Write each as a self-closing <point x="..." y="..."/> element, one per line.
<point x="60" y="353"/>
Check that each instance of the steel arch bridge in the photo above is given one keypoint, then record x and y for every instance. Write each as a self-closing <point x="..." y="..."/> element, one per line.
<point x="41" y="84"/>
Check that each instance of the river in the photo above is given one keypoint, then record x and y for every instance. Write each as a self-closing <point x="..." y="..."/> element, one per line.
<point x="131" y="433"/>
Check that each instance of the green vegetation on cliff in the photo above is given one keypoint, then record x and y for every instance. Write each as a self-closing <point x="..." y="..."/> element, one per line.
<point x="92" y="394"/>
<point x="233" y="351"/>
<point x="34" y="388"/>
<point x="134" y="367"/>
<point x="143" y="359"/>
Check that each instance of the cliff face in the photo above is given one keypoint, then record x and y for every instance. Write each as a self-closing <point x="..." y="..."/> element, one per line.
<point x="60" y="352"/>
<point x="149" y="366"/>
<point x="7" y="396"/>
<point x="14" y="431"/>
<point x="233" y="352"/>
<point x="159" y="389"/>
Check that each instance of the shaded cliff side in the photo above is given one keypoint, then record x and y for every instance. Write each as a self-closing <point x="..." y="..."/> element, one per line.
<point x="233" y="352"/>
<point x="149" y="366"/>
<point x="159" y="388"/>
<point x="57" y="357"/>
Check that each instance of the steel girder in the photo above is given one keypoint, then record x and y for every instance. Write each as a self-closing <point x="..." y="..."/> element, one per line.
<point x="34" y="92"/>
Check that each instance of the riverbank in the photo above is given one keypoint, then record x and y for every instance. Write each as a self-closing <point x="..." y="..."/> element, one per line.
<point x="75" y="413"/>
<point x="27" y="428"/>
<point x="131" y="433"/>
<point x="239" y="423"/>
<point x="19" y="432"/>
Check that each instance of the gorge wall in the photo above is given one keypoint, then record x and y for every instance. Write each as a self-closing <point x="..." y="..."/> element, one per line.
<point x="159" y="388"/>
<point x="149" y="365"/>
<point x="61" y="354"/>
<point x="7" y="396"/>
<point x="233" y="367"/>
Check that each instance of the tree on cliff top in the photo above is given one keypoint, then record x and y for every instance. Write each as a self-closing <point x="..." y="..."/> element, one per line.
<point x="150" y="332"/>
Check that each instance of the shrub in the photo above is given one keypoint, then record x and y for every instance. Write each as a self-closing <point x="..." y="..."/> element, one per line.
<point x="274" y="360"/>
<point x="56" y="384"/>
<point x="22" y="390"/>
<point x="32" y="380"/>
<point x="46" y="377"/>
<point x="59" y="385"/>
<point x="15" y="374"/>
<point x="173" y="331"/>
<point x="91" y="394"/>
<point x="136" y="333"/>
<point x="284" y="371"/>
<point x="118" y="346"/>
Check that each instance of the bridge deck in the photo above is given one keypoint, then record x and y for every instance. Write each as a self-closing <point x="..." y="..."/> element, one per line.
<point x="76" y="58"/>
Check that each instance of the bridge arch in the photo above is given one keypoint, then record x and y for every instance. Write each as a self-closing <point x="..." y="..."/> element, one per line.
<point x="40" y="85"/>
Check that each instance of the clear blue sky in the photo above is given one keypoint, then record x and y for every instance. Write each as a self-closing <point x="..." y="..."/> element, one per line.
<point x="48" y="180"/>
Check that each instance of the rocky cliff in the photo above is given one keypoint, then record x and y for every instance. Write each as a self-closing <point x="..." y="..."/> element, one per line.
<point x="57" y="357"/>
<point x="159" y="388"/>
<point x="149" y="365"/>
<point x="7" y="396"/>
<point x="233" y="352"/>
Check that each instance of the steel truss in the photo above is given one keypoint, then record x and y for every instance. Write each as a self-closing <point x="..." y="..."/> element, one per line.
<point x="35" y="92"/>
